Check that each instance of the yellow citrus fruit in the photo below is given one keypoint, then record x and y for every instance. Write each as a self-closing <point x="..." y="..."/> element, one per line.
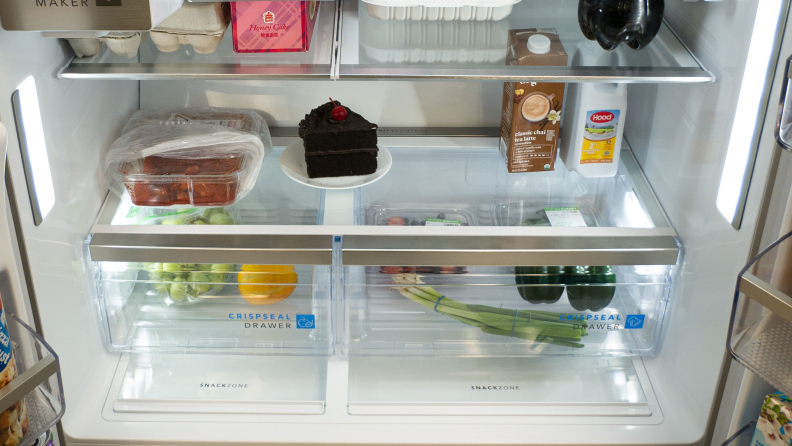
<point x="271" y="275"/>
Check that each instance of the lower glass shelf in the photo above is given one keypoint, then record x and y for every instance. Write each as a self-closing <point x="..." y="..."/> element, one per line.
<point x="220" y="384"/>
<point x="509" y="386"/>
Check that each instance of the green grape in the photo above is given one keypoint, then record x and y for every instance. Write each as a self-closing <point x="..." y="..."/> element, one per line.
<point x="220" y="267"/>
<point x="199" y="288"/>
<point x="221" y="219"/>
<point x="200" y="222"/>
<point x="204" y="267"/>
<point x="211" y="211"/>
<point x="218" y="279"/>
<point x="173" y="267"/>
<point x="178" y="290"/>
<point x="173" y="221"/>
<point x="164" y="278"/>
<point x="190" y="267"/>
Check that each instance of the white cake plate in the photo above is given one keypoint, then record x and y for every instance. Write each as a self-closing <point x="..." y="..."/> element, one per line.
<point x="292" y="163"/>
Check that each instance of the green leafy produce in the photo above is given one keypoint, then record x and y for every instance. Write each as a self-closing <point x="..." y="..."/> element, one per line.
<point x="186" y="282"/>
<point x="537" y="326"/>
<point x="539" y="277"/>
<point x="591" y="298"/>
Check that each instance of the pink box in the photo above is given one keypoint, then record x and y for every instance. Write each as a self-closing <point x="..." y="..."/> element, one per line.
<point x="263" y="27"/>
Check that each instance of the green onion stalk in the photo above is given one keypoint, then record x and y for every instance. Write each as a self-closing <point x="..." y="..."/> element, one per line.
<point x="537" y="326"/>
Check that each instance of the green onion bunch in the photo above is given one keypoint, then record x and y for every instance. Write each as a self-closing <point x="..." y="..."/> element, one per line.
<point x="537" y="326"/>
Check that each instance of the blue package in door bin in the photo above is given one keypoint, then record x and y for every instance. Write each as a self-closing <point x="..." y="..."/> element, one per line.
<point x="306" y="321"/>
<point x="774" y="427"/>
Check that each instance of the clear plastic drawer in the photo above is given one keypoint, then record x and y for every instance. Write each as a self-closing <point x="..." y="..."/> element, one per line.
<point x="215" y="308"/>
<point x="505" y="311"/>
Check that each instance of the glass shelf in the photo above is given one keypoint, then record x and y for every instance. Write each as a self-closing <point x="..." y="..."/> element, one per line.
<point x="502" y="217"/>
<point x="150" y="63"/>
<point x="362" y="47"/>
<point x="553" y="387"/>
<point x="416" y="49"/>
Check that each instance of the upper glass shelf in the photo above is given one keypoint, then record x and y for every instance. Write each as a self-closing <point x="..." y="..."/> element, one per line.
<point x="150" y="63"/>
<point x="350" y="44"/>
<point x="421" y="49"/>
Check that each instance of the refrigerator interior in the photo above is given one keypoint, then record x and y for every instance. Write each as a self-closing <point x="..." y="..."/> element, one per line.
<point x="678" y="134"/>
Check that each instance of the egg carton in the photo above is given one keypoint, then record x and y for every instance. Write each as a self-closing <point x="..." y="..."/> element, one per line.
<point x="122" y="44"/>
<point x="201" y="25"/>
<point x="435" y="42"/>
<point x="438" y="10"/>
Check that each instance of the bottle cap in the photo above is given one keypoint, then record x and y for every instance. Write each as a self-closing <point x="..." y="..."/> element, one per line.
<point x="538" y="44"/>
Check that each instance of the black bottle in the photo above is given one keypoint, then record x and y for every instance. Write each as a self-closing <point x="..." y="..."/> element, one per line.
<point x="611" y="22"/>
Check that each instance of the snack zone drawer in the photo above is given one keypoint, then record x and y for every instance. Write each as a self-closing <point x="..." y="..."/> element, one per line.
<point x="215" y="308"/>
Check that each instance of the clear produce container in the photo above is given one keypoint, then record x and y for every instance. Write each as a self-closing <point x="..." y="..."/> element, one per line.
<point x="404" y="215"/>
<point x="215" y="308"/>
<point x="187" y="159"/>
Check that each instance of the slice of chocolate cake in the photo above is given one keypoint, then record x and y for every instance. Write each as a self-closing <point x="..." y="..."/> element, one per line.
<point x="338" y="142"/>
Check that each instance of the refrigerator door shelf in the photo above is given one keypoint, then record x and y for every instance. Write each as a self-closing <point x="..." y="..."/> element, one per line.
<point x="38" y="382"/>
<point x="217" y="308"/>
<point x="761" y="321"/>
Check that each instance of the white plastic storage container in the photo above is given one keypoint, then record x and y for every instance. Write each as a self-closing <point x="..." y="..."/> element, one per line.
<point x="439" y="9"/>
<point x="434" y="42"/>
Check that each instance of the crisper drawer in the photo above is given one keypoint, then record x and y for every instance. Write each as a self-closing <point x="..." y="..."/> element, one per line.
<point x="215" y="308"/>
<point x="457" y="257"/>
<point x="479" y="311"/>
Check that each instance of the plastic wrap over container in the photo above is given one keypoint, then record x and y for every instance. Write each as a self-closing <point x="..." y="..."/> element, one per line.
<point x="234" y="118"/>
<point x="201" y="25"/>
<point x="180" y="159"/>
<point x="440" y="9"/>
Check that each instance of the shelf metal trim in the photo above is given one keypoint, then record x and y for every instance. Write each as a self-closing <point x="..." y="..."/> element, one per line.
<point x="358" y="250"/>
<point x="28" y="381"/>
<point x="766" y="295"/>
<point x="526" y="74"/>
<point x="215" y="248"/>
<point x="147" y="71"/>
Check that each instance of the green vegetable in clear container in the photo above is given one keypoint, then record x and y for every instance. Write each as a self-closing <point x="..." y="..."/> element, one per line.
<point x="186" y="282"/>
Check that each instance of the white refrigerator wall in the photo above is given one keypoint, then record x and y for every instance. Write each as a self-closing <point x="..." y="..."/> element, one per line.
<point x="680" y="134"/>
<point x="80" y="119"/>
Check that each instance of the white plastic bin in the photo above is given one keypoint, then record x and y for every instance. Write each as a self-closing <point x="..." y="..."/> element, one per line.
<point x="439" y="10"/>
